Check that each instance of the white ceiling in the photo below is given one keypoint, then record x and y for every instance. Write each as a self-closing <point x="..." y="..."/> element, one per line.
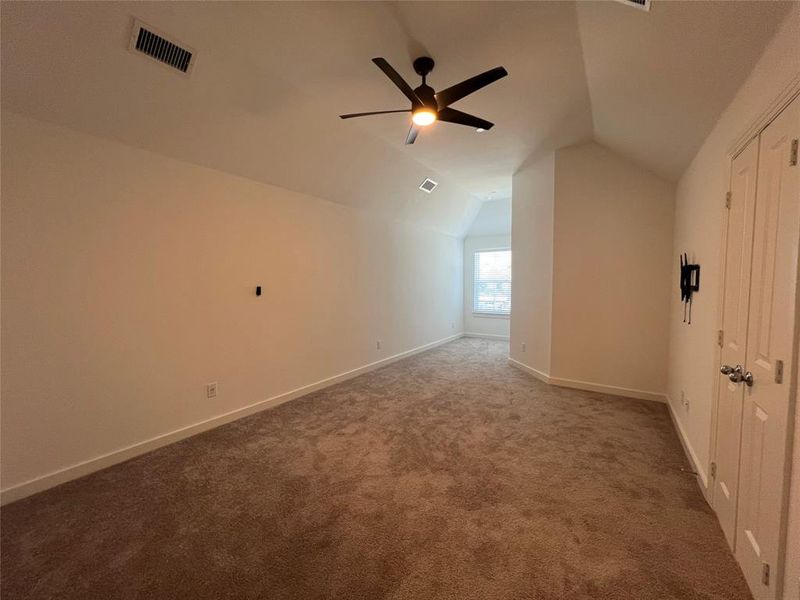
<point x="659" y="80"/>
<point x="271" y="78"/>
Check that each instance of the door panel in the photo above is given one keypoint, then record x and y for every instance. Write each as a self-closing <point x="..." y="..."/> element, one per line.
<point x="771" y="334"/>
<point x="738" y="248"/>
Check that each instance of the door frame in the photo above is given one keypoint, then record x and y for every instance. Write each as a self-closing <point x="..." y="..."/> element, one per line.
<point x="789" y="93"/>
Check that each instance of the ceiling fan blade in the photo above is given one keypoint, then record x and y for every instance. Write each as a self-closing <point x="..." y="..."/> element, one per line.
<point x="451" y="115"/>
<point x="466" y="87"/>
<point x="384" y="66"/>
<point x="376" y="112"/>
<point x="412" y="134"/>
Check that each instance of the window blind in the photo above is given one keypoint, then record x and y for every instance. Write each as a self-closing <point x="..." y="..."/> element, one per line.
<point x="491" y="289"/>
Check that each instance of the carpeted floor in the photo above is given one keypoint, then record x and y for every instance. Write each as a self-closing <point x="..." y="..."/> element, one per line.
<point x="449" y="475"/>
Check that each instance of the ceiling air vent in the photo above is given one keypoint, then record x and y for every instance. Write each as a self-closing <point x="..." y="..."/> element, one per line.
<point x="153" y="43"/>
<point x="428" y="185"/>
<point x="640" y="4"/>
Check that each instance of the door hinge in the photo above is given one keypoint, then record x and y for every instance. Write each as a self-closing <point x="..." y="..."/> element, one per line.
<point x="793" y="154"/>
<point x="765" y="573"/>
<point x="778" y="371"/>
<point x="713" y="470"/>
<point x="720" y="337"/>
<point x="728" y="200"/>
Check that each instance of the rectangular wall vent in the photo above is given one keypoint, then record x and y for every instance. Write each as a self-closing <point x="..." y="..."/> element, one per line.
<point x="149" y="41"/>
<point x="640" y="4"/>
<point x="428" y="185"/>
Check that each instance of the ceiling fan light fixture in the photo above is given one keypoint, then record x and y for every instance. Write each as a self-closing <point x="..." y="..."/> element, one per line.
<point x="423" y="117"/>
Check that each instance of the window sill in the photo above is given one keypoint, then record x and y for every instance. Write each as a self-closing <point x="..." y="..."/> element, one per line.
<point x="490" y="315"/>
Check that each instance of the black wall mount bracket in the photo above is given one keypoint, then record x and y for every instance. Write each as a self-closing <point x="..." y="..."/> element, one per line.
<point x="689" y="284"/>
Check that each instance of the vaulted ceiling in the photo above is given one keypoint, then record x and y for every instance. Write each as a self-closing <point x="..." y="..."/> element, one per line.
<point x="659" y="80"/>
<point x="271" y="78"/>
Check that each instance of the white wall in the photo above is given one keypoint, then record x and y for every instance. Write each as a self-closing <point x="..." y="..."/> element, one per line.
<point x="611" y="276"/>
<point x="493" y="218"/>
<point x="698" y="225"/>
<point x="488" y="325"/>
<point x="592" y="240"/>
<point x="532" y="263"/>
<point x="129" y="283"/>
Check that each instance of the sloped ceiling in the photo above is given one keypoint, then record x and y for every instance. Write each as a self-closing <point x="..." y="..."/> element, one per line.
<point x="271" y="78"/>
<point x="494" y="218"/>
<point x="659" y="80"/>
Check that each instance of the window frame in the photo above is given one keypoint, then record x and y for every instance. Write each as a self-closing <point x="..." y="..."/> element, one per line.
<point x="478" y="313"/>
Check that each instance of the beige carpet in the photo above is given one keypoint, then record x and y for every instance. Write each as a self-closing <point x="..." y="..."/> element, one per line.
<point x="447" y="475"/>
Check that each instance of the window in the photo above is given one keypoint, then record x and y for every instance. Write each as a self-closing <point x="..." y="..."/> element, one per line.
<point x="491" y="288"/>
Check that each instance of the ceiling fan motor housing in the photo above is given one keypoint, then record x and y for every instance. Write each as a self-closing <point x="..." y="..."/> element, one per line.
<point x="427" y="96"/>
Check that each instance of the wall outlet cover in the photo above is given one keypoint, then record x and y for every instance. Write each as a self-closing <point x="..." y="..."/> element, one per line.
<point x="211" y="390"/>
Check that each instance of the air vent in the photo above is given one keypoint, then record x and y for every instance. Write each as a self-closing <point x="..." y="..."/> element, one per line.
<point x="149" y="41"/>
<point x="428" y="185"/>
<point x="640" y="4"/>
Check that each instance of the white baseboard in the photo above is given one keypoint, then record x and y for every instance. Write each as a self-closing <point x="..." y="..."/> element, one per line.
<point x="38" y="484"/>
<point x="488" y="336"/>
<point x="589" y="386"/>
<point x="540" y="375"/>
<point x="691" y="455"/>
<point x="609" y="389"/>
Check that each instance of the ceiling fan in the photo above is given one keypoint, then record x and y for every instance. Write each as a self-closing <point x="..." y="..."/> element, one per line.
<point x="428" y="105"/>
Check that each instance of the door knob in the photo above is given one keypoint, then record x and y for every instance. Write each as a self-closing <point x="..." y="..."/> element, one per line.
<point x="737" y="374"/>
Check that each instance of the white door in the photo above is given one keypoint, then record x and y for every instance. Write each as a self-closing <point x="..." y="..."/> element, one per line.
<point x="736" y="282"/>
<point x="770" y="339"/>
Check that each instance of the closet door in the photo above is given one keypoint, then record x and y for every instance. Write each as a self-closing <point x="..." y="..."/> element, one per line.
<point x="738" y="249"/>
<point x="770" y="343"/>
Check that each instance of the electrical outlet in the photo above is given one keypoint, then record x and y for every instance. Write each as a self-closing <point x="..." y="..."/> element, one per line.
<point x="684" y="400"/>
<point x="378" y="345"/>
<point x="211" y="390"/>
<point x="524" y="346"/>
